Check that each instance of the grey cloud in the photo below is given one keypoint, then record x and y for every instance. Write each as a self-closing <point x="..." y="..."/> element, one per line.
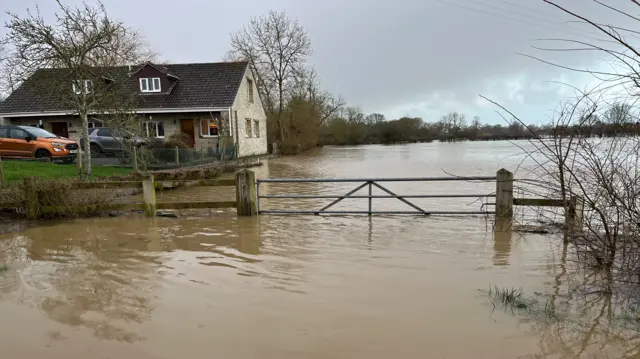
<point x="391" y="56"/>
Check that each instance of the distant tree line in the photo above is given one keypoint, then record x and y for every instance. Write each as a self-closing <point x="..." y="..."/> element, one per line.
<point x="351" y="127"/>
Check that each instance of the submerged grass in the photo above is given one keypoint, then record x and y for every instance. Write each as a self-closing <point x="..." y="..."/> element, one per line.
<point x="507" y="297"/>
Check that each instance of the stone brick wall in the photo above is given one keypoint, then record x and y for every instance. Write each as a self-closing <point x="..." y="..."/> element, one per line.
<point x="242" y="110"/>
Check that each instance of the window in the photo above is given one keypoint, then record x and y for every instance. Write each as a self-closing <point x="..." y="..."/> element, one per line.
<point x="209" y="128"/>
<point x="247" y="127"/>
<point x="155" y="129"/>
<point x="105" y="132"/>
<point x="77" y="89"/>
<point x="250" y="90"/>
<point x="256" y="128"/>
<point x="17" y="133"/>
<point x="150" y="84"/>
<point x="4" y="132"/>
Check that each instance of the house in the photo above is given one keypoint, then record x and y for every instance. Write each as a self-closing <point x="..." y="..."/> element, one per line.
<point x="198" y="99"/>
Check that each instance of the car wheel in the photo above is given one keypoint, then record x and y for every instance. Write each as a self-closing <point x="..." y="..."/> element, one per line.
<point x="43" y="154"/>
<point x="95" y="150"/>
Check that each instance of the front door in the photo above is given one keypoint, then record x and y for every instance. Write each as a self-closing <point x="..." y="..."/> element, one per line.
<point x="60" y="129"/>
<point x="186" y="127"/>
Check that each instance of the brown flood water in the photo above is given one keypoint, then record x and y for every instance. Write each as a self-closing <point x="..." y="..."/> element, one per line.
<point x="218" y="286"/>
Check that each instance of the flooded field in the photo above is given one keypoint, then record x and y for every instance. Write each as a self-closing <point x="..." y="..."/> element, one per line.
<point x="213" y="285"/>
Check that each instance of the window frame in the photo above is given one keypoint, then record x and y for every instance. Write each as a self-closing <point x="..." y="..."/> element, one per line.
<point x="25" y="133"/>
<point x="248" y="130"/>
<point x="87" y="87"/>
<point x="250" y="90"/>
<point x="256" y="128"/>
<point x="157" y="132"/>
<point x="209" y="121"/>
<point x="149" y="83"/>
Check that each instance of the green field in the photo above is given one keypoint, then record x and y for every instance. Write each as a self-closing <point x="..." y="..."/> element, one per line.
<point x="17" y="170"/>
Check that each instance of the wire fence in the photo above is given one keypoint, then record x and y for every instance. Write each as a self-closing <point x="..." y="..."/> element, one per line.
<point x="169" y="158"/>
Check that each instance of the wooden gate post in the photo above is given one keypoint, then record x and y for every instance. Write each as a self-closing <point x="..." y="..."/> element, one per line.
<point x="31" y="200"/>
<point x="504" y="196"/>
<point x="575" y="214"/>
<point x="149" y="194"/>
<point x="246" y="197"/>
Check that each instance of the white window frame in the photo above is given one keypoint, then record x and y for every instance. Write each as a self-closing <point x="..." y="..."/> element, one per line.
<point x="156" y="135"/>
<point x="256" y="128"/>
<point x="209" y="121"/>
<point x="248" y="130"/>
<point x="150" y="83"/>
<point x="75" y="87"/>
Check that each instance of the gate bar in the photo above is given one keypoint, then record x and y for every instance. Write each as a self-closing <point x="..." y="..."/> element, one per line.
<point x="426" y="213"/>
<point x="406" y="179"/>
<point x="399" y="198"/>
<point x="344" y="196"/>
<point x="293" y="196"/>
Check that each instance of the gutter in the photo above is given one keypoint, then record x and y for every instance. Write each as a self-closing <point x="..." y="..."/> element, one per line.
<point x="141" y="111"/>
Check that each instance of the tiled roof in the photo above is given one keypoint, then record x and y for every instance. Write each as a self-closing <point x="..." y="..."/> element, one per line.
<point x="203" y="85"/>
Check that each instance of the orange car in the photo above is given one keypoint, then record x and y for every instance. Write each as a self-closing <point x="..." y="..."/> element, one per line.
<point x="30" y="142"/>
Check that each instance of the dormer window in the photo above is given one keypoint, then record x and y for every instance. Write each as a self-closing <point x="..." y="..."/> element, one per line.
<point x="150" y="84"/>
<point x="86" y="87"/>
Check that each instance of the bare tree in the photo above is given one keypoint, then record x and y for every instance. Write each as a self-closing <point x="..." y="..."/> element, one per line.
<point x="277" y="49"/>
<point x="81" y="43"/>
<point x="453" y="122"/>
<point x="307" y="87"/>
<point x="618" y="114"/>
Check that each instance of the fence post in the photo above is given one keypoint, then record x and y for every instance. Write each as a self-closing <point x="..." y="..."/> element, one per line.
<point x="32" y="203"/>
<point x="79" y="162"/>
<point x="576" y="213"/>
<point x="504" y="196"/>
<point x="149" y="194"/>
<point x="246" y="196"/>
<point x="177" y="154"/>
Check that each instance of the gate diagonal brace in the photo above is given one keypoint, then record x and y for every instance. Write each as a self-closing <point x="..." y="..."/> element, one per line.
<point x="401" y="199"/>
<point x="341" y="198"/>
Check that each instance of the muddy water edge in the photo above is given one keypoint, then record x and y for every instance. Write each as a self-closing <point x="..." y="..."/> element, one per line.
<point x="210" y="284"/>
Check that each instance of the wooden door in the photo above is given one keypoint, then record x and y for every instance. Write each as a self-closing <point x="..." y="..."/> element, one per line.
<point x="186" y="127"/>
<point x="60" y="129"/>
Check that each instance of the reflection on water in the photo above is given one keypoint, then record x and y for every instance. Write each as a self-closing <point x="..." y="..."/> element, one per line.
<point x="211" y="284"/>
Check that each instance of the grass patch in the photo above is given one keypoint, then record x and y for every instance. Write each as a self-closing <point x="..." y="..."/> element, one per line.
<point x="507" y="297"/>
<point x="17" y="170"/>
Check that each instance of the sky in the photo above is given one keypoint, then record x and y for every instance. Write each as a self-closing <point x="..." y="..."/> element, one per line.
<point x="418" y="58"/>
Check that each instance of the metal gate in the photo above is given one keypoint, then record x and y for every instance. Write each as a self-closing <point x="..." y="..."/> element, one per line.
<point x="371" y="183"/>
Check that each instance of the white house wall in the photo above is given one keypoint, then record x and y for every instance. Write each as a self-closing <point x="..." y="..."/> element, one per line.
<point x="243" y="110"/>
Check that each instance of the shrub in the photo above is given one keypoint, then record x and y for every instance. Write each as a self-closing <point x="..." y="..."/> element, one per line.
<point x="178" y="139"/>
<point x="71" y="202"/>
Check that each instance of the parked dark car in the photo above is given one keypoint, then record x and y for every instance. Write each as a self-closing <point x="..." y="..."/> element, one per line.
<point x="106" y="141"/>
